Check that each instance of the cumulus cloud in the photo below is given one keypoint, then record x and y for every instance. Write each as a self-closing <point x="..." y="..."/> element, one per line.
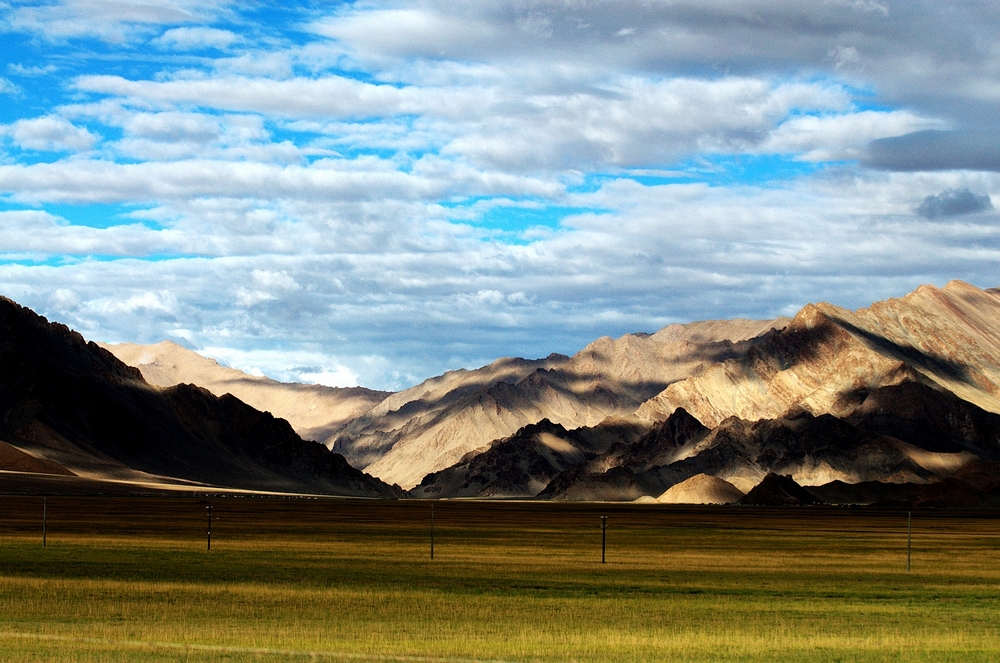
<point x="190" y="39"/>
<point x="51" y="133"/>
<point x="841" y="137"/>
<point x="953" y="202"/>
<point x="406" y="188"/>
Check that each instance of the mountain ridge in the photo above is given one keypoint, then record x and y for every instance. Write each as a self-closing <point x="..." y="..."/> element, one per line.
<point x="315" y="411"/>
<point x="70" y="402"/>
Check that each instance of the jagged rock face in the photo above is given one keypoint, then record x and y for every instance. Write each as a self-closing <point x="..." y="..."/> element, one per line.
<point x="314" y="411"/>
<point x="73" y="404"/>
<point x="937" y="435"/>
<point x="930" y="419"/>
<point x="524" y="463"/>
<point x="435" y="424"/>
<point x="813" y="450"/>
<point x="828" y="359"/>
<point x="877" y="394"/>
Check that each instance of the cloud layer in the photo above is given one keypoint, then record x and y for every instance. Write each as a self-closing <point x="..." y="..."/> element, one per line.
<point x="374" y="194"/>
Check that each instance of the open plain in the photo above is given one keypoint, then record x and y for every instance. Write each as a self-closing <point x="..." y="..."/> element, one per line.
<point x="130" y="579"/>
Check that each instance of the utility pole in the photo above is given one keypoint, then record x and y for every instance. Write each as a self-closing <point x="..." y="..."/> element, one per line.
<point x="45" y="517"/>
<point x="909" y="538"/>
<point x="432" y="530"/>
<point x="604" y="536"/>
<point x="209" y="509"/>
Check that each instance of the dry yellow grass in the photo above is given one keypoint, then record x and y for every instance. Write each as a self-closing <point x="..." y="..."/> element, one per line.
<point x="127" y="580"/>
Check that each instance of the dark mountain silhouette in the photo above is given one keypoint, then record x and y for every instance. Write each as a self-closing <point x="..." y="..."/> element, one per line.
<point x="74" y="407"/>
<point x="778" y="490"/>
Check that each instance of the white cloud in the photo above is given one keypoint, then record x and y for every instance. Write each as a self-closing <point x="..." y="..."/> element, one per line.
<point x="361" y="178"/>
<point x="109" y="20"/>
<point x="308" y="366"/>
<point x="189" y="39"/>
<point x="173" y="127"/>
<point x="22" y="70"/>
<point x="842" y="137"/>
<point x="636" y="123"/>
<point x="329" y="96"/>
<point x="338" y="376"/>
<point x="7" y="87"/>
<point x="163" y="301"/>
<point x="51" y="133"/>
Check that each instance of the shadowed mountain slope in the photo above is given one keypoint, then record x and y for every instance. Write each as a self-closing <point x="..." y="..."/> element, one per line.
<point x="828" y="359"/>
<point x="909" y="432"/>
<point x="71" y="403"/>
<point x="523" y="464"/>
<point x="778" y="490"/>
<point x="435" y="424"/>
<point x="902" y="433"/>
<point x="315" y="412"/>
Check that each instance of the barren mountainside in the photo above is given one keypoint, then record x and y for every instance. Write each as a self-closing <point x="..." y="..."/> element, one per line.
<point x="314" y="411"/>
<point x="895" y="403"/>
<point x="435" y="424"/>
<point x="904" y="391"/>
<point x="829" y="358"/>
<point x="70" y="407"/>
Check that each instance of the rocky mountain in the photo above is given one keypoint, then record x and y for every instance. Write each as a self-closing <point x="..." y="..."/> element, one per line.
<point x="905" y="391"/>
<point x="434" y="425"/>
<point x="895" y="403"/>
<point x="828" y="359"/>
<point x="70" y="407"/>
<point x="315" y="412"/>
<point x="778" y="490"/>
<point x="524" y="463"/>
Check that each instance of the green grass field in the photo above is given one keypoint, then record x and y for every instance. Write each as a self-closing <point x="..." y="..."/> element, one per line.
<point x="289" y="579"/>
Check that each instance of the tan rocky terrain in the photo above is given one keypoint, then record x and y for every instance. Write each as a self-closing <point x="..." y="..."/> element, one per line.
<point x="829" y="358"/>
<point x="899" y="401"/>
<point x="433" y="425"/>
<point x="314" y="411"/>
<point x="701" y="489"/>
<point x="904" y="391"/>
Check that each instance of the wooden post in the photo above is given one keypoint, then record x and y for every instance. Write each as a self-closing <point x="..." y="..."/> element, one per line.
<point x="209" y="509"/>
<point x="909" y="537"/>
<point x="45" y="517"/>
<point x="432" y="530"/>
<point x="604" y="537"/>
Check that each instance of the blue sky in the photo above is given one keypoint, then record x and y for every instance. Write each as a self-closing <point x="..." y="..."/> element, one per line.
<point x="376" y="192"/>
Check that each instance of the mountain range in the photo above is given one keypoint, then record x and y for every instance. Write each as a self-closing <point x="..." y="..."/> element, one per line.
<point x="70" y="408"/>
<point x="896" y="403"/>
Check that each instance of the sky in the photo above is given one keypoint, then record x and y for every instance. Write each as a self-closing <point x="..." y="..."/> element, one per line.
<point x="372" y="193"/>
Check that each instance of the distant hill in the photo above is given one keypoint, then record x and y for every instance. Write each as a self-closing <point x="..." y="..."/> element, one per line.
<point x="69" y="407"/>
<point x="315" y="412"/>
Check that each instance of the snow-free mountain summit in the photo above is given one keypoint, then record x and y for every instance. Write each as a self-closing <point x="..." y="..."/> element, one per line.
<point x="857" y="406"/>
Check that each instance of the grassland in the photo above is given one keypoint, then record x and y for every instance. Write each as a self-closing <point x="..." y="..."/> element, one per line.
<point x="290" y="579"/>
